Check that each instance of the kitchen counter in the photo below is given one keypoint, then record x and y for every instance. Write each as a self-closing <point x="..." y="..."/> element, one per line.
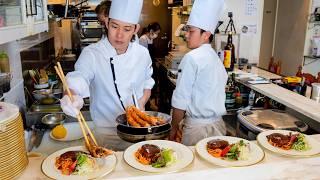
<point x="295" y="101"/>
<point x="273" y="166"/>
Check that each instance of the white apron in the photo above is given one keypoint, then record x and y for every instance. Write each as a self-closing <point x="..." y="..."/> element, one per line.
<point x="194" y="130"/>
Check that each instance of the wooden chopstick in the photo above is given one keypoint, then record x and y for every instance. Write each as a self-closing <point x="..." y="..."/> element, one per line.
<point x="71" y="97"/>
<point x="80" y="117"/>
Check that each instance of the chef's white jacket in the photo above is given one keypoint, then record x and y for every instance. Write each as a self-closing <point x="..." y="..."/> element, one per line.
<point x="93" y="77"/>
<point x="200" y="89"/>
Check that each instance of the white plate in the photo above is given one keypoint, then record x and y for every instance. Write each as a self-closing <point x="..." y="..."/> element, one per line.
<point x="184" y="156"/>
<point x="255" y="156"/>
<point x="73" y="131"/>
<point x="263" y="141"/>
<point x="49" y="168"/>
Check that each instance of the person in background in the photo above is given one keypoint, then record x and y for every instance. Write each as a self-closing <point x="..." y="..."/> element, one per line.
<point x="111" y="72"/>
<point x="102" y="11"/>
<point x="199" y="96"/>
<point x="150" y="33"/>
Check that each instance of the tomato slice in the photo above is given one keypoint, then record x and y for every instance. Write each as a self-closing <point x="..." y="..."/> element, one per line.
<point x="225" y="150"/>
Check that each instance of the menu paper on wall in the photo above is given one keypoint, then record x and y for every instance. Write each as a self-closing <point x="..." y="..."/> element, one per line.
<point x="251" y="8"/>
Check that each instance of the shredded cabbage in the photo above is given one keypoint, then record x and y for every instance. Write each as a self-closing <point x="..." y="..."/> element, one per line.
<point x="301" y="144"/>
<point x="85" y="165"/>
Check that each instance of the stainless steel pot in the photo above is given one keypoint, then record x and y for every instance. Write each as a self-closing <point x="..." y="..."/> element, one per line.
<point x="133" y="134"/>
<point x="47" y="96"/>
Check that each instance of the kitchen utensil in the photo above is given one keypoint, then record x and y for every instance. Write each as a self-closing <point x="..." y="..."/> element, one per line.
<point x="133" y="134"/>
<point x="47" y="96"/>
<point x="40" y="130"/>
<point x="32" y="140"/>
<point x="52" y="120"/>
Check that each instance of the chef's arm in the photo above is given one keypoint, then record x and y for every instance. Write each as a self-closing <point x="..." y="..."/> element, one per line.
<point x="144" y="99"/>
<point x="177" y="116"/>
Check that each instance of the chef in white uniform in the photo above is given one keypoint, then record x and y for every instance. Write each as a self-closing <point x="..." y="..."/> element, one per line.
<point x="110" y="72"/>
<point x="199" y="97"/>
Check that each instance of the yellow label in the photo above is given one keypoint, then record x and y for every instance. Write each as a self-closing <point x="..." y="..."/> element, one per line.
<point x="227" y="59"/>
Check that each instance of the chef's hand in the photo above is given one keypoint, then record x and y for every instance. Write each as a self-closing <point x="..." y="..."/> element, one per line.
<point x="173" y="133"/>
<point x="71" y="108"/>
<point x="141" y="104"/>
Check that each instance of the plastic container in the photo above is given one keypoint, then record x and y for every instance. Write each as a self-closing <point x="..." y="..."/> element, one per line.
<point x="4" y="63"/>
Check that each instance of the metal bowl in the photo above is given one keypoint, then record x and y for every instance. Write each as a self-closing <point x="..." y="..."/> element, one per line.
<point x="134" y="134"/>
<point x="137" y="138"/>
<point x="52" y="120"/>
<point x="46" y="96"/>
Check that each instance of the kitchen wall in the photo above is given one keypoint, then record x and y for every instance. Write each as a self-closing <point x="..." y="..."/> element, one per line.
<point x="313" y="29"/>
<point x="290" y="34"/>
<point x="249" y="43"/>
<point x="16" y="93"/>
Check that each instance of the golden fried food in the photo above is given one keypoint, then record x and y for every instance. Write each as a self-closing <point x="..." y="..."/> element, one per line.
<point x="97" y="151"/>
<point x="130" y="119"/>
<point x="137" y="118"/>
<point x="144" y="116"/>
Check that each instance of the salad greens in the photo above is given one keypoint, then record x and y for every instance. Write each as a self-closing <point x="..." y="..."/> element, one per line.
<point x="166" y="158"/>
<point x="238" y="151"/>
<point x="300" y="144"/>
<point x="85" y="164"/>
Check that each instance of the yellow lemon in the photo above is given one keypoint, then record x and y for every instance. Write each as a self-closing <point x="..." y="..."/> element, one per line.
<point x="59" y="132"/>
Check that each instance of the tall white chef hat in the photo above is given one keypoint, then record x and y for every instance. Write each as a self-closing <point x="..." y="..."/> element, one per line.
<point x="205" y="14"/>
<point x="126" y="10"/>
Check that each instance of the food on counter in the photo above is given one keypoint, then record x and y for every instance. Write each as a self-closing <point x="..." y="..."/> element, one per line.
<point x="76" y="163"/>
<point x="150" y="154"/>
<point x="222" y="149"/>
<point x="137" y="118"/>
<point x="292" y="141"/>
<point x="97" y="151"/>
<point x="59" y="132"/>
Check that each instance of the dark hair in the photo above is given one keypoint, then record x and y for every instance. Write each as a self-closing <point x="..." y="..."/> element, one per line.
<point x="103" y="7"/>
<point x="211" y="36"/>
<point x="152" y="26"/>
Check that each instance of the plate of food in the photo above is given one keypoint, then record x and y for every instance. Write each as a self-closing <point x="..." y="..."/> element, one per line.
<point x="158" y="156"/>
<point x="229" y="151"/>
<point x="68" y="131"/>
<point x="77" y="163"/>
<point x="289" y="143"/>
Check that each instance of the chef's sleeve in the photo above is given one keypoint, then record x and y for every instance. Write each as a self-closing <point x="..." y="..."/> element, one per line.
<point x="80" y="79"/>
<point x="149" y="82"/>
<point x="186" y="77"/>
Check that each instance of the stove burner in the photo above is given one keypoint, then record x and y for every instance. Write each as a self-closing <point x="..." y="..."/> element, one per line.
<point x="265" y="126"/>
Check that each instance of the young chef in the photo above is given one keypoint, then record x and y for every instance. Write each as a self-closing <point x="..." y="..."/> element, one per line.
<point x="199" y="96"/>
<point x="110" y="72"/>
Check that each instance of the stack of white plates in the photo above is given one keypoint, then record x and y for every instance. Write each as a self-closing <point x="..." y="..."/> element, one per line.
<point x="13" y="156"/>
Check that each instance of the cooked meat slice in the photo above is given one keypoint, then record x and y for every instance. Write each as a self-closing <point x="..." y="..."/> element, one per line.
<point x="279" y="139"/>
<point x="217" y="144"/>
<point x="149" y="150"/>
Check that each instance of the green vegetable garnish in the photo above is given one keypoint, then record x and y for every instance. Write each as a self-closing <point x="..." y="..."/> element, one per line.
<point x="166" y="158"/>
